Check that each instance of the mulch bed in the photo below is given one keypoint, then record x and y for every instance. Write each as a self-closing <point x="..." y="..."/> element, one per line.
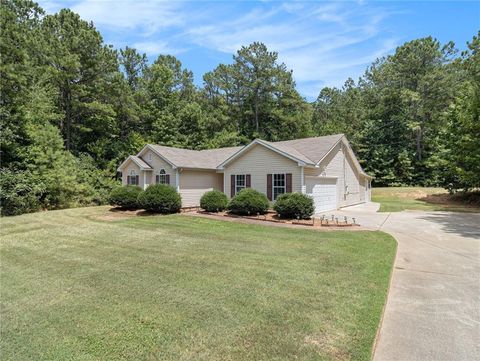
<point x="118" y="214"/>
<point x="273" y="217"/>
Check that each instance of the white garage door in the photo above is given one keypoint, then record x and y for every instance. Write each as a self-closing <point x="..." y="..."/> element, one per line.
<point x="324" y="193"/>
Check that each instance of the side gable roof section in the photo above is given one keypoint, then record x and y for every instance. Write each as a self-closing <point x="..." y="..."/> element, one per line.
<point x="282" y="150"/>
<point x="355" y="159"/>
<point x="152" y="148"/>
<point x="314" y="148"/>
<point x="207" y="159"/>
<point x="138" y="161"/>
<point x="349" y="150"/>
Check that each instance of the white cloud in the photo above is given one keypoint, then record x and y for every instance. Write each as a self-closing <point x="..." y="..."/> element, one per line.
<point x="157" y="47"/>
<point x="147" y="15"/>
<point x="323" y="43"/>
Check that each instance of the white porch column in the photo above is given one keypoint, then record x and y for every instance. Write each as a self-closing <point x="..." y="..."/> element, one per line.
<point x="144" y="180"/>
<point x="224" y="183"/>
<point x="177" y="179"/>
<point x="302" y="180"/>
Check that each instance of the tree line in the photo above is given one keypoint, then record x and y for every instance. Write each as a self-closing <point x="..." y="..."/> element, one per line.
<point x="72" y="108"/>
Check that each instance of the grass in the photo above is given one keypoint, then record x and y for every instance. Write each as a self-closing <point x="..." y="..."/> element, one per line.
<point x="396" y="199"/>
<point x="75" y="286"/>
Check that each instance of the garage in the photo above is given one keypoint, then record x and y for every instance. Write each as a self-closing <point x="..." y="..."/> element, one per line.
<point x="323" y="190"/>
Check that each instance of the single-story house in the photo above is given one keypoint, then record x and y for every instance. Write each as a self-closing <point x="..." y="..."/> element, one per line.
<point x="323" y="167"/>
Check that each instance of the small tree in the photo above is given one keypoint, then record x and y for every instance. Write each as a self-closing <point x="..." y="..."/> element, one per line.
<point x="214" y="201"/>
<point x="125" y="197"/>
<point x="249" y="202"/>
<point x="294" y="205"/>
<point x="160" y="198"/>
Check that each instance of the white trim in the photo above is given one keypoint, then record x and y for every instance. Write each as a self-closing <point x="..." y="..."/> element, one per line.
<point x="320" y="176"/>
<point x="344" y="141"/>
<point x="260" y="142"/>
<point x="329" y="151"/>
<point x="284" y="186"/>
<point x="144" y="180"/>
<point x="132" y="158"/>
<point x="133" y="174"/>
<point x="244" y="182"/>
<point x="302" y="181"/>
<point x="177" y="179"/>
<point x="159" y="174"/>
<point x="149" y="146"/>
<point x="224" y="183"/>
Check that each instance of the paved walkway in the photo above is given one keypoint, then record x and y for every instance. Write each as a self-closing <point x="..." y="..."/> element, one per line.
<point x="433" y="308"/>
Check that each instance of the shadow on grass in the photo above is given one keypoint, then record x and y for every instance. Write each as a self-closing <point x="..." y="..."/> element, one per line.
<point x="461" y="202"/>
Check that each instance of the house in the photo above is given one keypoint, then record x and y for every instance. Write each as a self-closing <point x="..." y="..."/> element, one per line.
<point x="323" y="167"/>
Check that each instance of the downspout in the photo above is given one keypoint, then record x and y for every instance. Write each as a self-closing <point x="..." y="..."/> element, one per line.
<point x="344" y="176"/>
<point x="302" y="180"/>
<point x="224" y="184"/>
<point x="177" y="180"/>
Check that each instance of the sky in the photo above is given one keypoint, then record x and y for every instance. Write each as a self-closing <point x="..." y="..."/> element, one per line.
<point x="323" y="42"/>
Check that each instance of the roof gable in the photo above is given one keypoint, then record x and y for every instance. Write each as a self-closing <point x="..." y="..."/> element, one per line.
<point x="137" y="160"/>
<point x="283" y="150"/>
<point x="315" y="148"/>
<point x="188" y="158"/>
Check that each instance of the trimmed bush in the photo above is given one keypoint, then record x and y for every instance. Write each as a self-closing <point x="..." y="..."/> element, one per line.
<point x="125" y="197"/>
<point x="249" y="202"/>
<point x="214" y="201"/>
<point x="160" y="198"/>
<point x="294" y="205"/>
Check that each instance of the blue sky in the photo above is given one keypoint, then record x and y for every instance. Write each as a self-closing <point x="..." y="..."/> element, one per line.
<point x="324" y="43"/>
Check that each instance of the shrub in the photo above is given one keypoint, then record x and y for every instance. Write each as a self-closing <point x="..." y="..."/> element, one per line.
<point x="294" y="205"/>
<point x="214" y="201"/>
<point x="160" y="198"/>
<point x="125" y="196"/>
<point x="249" y="202"/>
<point x="20" y="192"/>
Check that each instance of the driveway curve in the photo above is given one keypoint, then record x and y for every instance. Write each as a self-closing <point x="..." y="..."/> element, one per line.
<point x="433" y="306"/>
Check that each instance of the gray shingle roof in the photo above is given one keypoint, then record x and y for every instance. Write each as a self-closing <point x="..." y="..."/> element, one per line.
<point x="203" y="159"/>
<point x="314" y="149"/>
<point x="308" y="150"/>
<point x="140" y="162"/>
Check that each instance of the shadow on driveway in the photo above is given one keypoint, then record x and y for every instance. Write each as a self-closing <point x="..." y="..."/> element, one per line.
<point x="462" y="224"/>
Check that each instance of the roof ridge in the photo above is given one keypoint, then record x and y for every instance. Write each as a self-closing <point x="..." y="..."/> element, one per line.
<point x="320" y="136"/>
<point x="236" y="146"/>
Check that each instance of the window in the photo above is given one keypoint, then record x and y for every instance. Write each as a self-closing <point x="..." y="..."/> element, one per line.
<point x="239" y="182"/>
<point x="161" y="177"/>
<point x="279" y="185"/>
<point x="132" y="179"/>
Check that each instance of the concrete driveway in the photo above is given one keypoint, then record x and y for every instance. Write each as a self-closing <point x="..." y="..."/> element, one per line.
<point x="433" y="307"/>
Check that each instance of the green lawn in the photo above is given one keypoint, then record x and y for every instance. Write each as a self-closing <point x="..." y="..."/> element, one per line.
<point x="396" y="199"/>
<point x="78" y="287"/>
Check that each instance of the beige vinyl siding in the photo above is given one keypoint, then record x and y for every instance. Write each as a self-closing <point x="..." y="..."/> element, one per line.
<point x="337" y="165"/>
<point x="194" y="183"/>
<point x="362" y="189"/>
<point x="131" y="165"/>
<point x="158" y="164"/>
<point x="353" y="183"/>
<point x="258" y="162"/>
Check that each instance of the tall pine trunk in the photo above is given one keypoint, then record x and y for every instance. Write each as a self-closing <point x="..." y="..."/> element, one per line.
<point x="66" y="123"/>
<point x="419" y="139"/>
<point x="256" y="116"/>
